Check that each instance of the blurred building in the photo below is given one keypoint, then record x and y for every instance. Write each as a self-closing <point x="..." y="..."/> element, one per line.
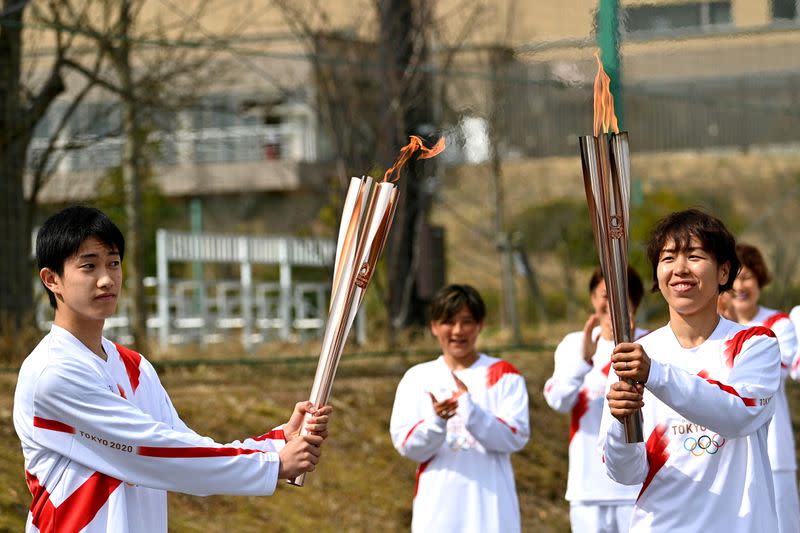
<point x="696" y="74"/>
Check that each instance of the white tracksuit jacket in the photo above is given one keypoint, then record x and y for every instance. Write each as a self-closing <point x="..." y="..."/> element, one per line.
<point x="102" y="443"/>
<point x="579" y="388"/>
<point x="704" y="465"/>
<point x="465" y="482"/>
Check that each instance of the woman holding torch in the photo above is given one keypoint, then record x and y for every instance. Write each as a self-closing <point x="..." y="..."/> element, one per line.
<point x="460" y="417"/>
<point x="746" y="310"/>
<point x="578" y="385"/>
<point x="705" y="386"/>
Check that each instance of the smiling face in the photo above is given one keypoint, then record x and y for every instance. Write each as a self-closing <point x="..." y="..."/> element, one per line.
<point x="689" y="278"/>
<point x="746" y="293"/>
<point x="457" y="338"/>
<point x="88" y="289"/>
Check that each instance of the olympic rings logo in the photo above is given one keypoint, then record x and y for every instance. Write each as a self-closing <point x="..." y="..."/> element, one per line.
<point x="703" y="444"/>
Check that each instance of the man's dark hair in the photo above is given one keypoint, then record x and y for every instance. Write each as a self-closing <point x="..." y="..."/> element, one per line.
<point x="751" y="257"/>
<point x="635" y="285"/>
<point x="681" y="226"/>
<point x="62" y="235"/>
<point x="451" y="299"/>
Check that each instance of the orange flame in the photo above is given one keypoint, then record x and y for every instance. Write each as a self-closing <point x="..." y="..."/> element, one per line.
<point x="604" y="117"/>
<point x="406" y="152"/>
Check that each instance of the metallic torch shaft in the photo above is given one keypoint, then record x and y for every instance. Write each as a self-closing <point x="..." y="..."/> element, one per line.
<point x="606" y="178"/>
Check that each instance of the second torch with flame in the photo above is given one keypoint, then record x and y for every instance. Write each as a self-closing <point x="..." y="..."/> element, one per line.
<point x="605" y="161"/>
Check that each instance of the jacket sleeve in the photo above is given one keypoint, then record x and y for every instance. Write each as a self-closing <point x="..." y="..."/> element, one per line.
<point x="561" y="390"/>
<point x="507" y="429"/>
<point x="417" y="432"/>
<point x="625" y="463"/>
<point x="787" y="340"/>
<point x="76" y="416"/>
<point x="733" y="409"/>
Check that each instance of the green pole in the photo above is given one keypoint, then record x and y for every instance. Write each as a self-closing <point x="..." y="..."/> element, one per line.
<point x="608" y="40"/>
<point x="196" y="220"/>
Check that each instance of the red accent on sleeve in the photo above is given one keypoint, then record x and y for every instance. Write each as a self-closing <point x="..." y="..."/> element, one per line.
<point x="410" y="431"/>
<point x="275" y="434"/>
<point x="749" y="402"/>
<point x="703" y="374"/>
<point x="76" y="511"/>
<point x="512" y="428"/>
<point x="607" y="368"/>
<point x="52" y="425"/>
<point x="420" y="469"/>
<point x="548" y="387"/>
<point x="581" y="406"/>
<point x="768" y="323"/>
<point x="657" y="454"/>
<point x="121" y="391"/>
<point x="497" y="371"/>
<point x="131" y="361"/>
<point x="193" y="452"/>
<point x="734" y="345"/>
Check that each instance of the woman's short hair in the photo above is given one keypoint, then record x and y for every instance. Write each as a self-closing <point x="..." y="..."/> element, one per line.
<point x="751" y="257"/>
<point x="680" y="227"/>
<point x="449" y="300"/>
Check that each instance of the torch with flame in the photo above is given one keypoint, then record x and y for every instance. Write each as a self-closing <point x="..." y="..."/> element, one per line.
<point x="367" y="216"/>
<point x="606" y="178"/>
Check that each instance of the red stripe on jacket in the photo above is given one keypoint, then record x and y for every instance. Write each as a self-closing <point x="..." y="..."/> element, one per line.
<point x="769" y="322"/>
<point x="509" y="426"/>
<point x="580" y="409"/>
<point x="410" y="431"/>
<point x="52" y="425"/>
<point x="193" y="452"/>
<point x="657" y="454"/>
<point x="275" y="434"/>
<point x="735" y="344"/>
<point x="131" y="360"/>
<point x="76" y="511"/>
<point x="497" y="371"/>
<point x="749" y="402"/>
<point x="420" y="469"/>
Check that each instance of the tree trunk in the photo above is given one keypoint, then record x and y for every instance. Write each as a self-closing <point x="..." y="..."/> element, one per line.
<point x="399" y="34"/>
<point x="16" y="300"/>
<point x="132" y="170"/>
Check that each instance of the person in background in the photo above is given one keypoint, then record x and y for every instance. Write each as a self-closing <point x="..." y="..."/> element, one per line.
<point x="101" y="439"/>
<point x="745" y="309"/>
<point x="706" y="388"/>
<point x="578" y="385"/>
<point x="461" y="416"/>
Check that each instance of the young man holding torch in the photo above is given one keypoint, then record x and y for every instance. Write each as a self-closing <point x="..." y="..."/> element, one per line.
<point x="578" y="385"/>
<point x="460" y="417"/>
<point x="101" y="439"/>
<point x="706" y="388"/>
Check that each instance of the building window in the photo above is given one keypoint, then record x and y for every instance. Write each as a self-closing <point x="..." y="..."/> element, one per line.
<point x="785" y="9"/>
<point x="689" y="15"/>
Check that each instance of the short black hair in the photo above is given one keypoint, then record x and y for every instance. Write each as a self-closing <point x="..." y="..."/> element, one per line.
<point x="62" y="235"/>
<point x="681" y="226"/>
<point x="635" y="285"/>
<point x="449" y="300"/>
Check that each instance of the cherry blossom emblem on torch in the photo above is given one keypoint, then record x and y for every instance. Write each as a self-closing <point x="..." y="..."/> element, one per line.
<point x="367" y="217"/>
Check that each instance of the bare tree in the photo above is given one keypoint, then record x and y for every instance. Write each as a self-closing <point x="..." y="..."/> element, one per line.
<point x="371" y="94"/>
<point x="145" y="82"/>
<point x="24" y="101"/>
